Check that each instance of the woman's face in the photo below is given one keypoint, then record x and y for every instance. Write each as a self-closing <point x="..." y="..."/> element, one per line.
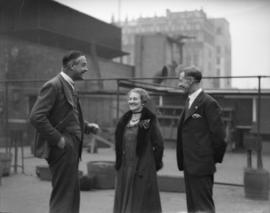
<point x="135" y="102"/>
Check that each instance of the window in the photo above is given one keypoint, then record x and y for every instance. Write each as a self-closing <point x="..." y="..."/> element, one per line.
<point x="188" y="60"/>
<point x="219" y="31"/>
<point x="218" y="72"/>
<point x="210" y="53"/>
<point x="218" y="60"/>
<point x="196" y="59"/>
<point x="218" y="49"/>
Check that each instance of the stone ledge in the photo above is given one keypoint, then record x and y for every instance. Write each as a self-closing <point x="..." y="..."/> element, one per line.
<point x="103" y="177"/>
<point x="168" y="183"/>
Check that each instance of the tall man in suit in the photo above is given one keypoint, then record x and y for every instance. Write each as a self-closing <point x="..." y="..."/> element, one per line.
<point x="57" y="117"/>
<point x="200" y="142"/>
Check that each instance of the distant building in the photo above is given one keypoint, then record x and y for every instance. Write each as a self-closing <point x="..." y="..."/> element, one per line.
<point x="192" y="39"/>
<point x="223" y="50"/>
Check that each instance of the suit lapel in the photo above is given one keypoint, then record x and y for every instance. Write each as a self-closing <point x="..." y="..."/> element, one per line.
<point x="182" y="118"/>
<point x="67" y="90"/>
<point x="196" y="103"/>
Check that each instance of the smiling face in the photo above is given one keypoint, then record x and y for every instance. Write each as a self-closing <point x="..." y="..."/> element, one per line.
<point x="135" y="102"/>
<point x="78" y="67"/>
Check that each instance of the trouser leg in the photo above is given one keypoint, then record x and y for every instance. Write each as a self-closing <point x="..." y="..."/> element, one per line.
<point x="65" y="196"/>
<point x="199" y="193"/>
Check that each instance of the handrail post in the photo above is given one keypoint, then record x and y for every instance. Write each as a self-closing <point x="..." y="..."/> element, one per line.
<point x="259" y="149"/>
<point x="118" y="100"/>
<point x="6" y="111"/>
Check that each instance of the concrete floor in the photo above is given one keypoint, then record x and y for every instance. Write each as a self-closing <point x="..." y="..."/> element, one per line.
<point x="25" y="193"/>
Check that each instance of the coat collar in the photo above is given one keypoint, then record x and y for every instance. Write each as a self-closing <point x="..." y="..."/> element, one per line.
<point x="67" y="90"/>
<point x="68" y="79"/>
<point x="146" y="114"/>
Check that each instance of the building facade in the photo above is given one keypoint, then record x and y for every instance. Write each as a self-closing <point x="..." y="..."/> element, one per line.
<point x="223" y="50"/>
<point x="192" y="37"/>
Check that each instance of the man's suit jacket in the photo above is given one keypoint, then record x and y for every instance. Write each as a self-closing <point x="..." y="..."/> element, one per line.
<point x="201" y="137"/>
<point x="51" y="113"/>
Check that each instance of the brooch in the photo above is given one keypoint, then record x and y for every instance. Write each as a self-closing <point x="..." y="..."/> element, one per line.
<point x="144" y="123"/>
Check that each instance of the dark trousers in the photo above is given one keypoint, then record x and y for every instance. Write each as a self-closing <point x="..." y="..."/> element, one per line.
<point x="63" y="163"/>
<point x="199" y="193"/>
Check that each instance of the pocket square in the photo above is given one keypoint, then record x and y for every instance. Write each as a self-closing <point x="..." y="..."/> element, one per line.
<point x="196" y="116"/>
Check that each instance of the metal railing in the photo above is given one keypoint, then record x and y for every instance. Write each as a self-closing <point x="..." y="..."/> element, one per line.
<point x="107" y="105"/>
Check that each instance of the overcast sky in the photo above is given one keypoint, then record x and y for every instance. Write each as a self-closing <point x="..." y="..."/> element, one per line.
<point x="249" y="25"/>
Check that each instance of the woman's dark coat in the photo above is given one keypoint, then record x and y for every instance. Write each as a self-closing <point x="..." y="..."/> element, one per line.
<point x="149" y="150"/>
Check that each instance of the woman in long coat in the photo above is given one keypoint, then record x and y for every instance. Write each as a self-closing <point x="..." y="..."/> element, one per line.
<point x="139" y="151"/>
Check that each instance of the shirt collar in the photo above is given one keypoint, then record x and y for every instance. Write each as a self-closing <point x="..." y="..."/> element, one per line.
<point x="194" y="95"/>
<point x="68" y="79"/>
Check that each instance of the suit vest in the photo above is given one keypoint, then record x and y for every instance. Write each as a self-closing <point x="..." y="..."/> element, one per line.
<point x="75" y="124"/>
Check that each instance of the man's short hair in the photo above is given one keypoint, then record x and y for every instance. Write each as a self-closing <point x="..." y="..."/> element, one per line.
<point x="194" y="72"/>
<point x="71" y="55"/>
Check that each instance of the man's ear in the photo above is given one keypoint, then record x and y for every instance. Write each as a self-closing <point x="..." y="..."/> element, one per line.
<point x="71" y="65"/>
<point x="193" y="80"/>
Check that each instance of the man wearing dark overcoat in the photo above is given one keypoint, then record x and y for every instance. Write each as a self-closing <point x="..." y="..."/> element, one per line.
<point x="200" y="142"/>
<point x="58" y="120"/>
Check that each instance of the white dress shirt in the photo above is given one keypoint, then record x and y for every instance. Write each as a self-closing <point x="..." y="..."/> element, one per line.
<point x="193" y="96"/>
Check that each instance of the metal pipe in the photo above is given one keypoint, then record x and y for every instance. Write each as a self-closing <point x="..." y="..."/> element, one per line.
<point x="118" y="100"/>
<point x="149" y="78"/>
<point x="6" y="108"/>
<point x="259" y="145"/>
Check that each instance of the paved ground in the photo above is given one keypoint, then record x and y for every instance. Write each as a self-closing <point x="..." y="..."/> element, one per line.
<point x="25" y="193"/>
